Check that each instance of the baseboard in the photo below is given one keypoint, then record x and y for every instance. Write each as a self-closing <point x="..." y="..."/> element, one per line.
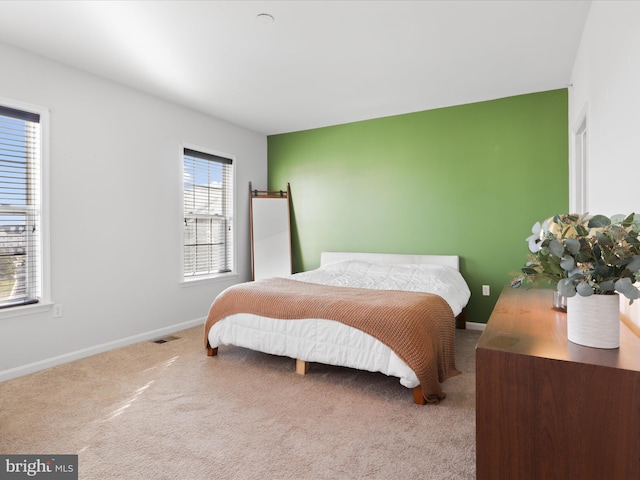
<point x="87" y="352"/>
<point x="476" y="326"/>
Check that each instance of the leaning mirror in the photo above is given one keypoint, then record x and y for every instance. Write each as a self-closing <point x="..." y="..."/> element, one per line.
<point x="270" y="233"/>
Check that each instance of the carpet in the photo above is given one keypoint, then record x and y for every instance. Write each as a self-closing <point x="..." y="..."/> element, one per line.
<point x="167" y="411"/>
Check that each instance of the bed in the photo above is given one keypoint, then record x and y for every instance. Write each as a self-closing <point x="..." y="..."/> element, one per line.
<point x="390" y="313"/>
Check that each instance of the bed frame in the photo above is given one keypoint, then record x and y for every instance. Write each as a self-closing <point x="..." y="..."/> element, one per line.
<point x="302" y="367"/>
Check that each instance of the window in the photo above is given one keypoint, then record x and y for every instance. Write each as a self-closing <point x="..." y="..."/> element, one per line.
<point x="208" y="214"/>
<point x="21" y="206"/>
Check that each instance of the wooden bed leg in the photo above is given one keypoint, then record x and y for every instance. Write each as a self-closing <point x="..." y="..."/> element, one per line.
<point x="302" y="367"/>
<point x="461" y="320"/>
<point x="211" y="352"/>
<point x="418" y="397"/>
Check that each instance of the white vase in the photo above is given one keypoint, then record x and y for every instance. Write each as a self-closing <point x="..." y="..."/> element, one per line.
<point x="594" y="321"/>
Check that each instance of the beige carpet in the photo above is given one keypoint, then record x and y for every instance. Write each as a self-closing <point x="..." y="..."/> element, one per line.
<point x="167" y="411"/>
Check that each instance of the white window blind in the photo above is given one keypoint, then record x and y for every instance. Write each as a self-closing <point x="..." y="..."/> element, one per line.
<point x="208" y="214"/>
<point x="20" y="209"/>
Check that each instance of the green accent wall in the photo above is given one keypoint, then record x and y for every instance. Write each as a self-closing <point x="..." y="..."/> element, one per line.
<point x="469" y="180"/>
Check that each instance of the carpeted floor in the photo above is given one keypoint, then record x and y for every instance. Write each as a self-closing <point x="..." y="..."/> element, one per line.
<point x="167" y="411"/>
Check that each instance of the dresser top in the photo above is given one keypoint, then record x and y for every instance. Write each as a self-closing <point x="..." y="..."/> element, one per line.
<point x="524" y="322"/>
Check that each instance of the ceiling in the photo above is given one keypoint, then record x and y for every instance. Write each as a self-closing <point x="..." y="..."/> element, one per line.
<point x="318" y="63"/>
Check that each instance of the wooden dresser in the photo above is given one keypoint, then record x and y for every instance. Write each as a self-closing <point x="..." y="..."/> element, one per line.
<point x="550" y="409"/>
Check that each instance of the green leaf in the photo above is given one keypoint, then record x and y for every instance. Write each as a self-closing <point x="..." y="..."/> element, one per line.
<point x="584" y="289"/>
<point x="605" y="253"/>
<point x="581" y="231"/>
<point x="597" y="252"/>
<point x="572" y="245"/>
<point x="625" y="286"/>
<point x="621" y="219"/>
<point x="632" y="240"/>
<point x="599" y="221"/>
<point x="567" y="263"/>
<point x="603" y="238"/>
<point x="566" y="288"/>
<point x="607" y="286"/>
<point x="634" y="264"/>
<point x="629" y="220"/>
<point x="556" y="248"/>
<point x="554" y="268"/>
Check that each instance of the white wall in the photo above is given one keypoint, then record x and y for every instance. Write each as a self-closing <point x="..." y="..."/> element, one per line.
<point x="606" y="85"/>
<point x="115" y="213"/>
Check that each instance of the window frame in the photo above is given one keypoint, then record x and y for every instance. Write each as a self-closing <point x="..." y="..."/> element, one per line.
<point x="196" y="280"/>
<point x="43" y="251"/>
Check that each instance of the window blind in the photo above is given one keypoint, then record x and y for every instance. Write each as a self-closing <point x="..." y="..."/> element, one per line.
<point x="208" y="214"/>
<point x="19" y="207"/>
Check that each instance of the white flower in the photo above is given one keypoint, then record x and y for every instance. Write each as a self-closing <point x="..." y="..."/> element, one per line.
<point x="535" y="240"/>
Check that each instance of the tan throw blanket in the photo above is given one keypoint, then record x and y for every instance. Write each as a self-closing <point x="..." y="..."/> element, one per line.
<point x="418" y="327"/>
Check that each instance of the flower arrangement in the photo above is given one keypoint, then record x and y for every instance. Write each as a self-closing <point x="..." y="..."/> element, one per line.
<point x="585" y="255"/>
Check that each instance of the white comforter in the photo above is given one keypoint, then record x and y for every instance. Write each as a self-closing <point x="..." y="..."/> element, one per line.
<point x="331" y="342"/>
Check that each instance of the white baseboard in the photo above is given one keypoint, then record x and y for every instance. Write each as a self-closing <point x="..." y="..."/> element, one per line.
<point x="476" y="326"/>
<point x="87" y="352"/>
